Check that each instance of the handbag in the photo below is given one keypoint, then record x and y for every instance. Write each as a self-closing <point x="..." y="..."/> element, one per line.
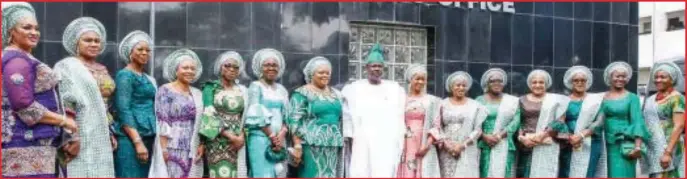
<point x="627" y="146"/>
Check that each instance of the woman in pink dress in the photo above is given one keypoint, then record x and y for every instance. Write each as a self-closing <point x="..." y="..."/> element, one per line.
<point x="419" y="158"/>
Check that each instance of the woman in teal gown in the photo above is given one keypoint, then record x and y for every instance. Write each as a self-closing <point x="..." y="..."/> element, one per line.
<point x="265" y="127"/>
<point x="581" y="149"/>
<point x="134" y="103"/>
<point x="624" y="126"/>
<point x="315" y="123"/>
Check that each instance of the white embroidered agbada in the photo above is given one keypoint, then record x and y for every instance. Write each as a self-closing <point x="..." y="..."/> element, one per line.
<point x="374" y="118"/>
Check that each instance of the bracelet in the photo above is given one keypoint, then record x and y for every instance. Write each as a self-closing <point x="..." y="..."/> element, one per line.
<point x="581" y="135"/>
<point x="298" y="146"/>
<point x="137" y="140"/>
<point x="63" y="121"/>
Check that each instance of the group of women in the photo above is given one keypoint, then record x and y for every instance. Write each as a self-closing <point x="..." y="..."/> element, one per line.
<point x="545" y="135"/>
<point x="65" y="114"/>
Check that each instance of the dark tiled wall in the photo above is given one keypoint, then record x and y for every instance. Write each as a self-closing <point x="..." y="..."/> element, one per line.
<point x="539" y="35"/>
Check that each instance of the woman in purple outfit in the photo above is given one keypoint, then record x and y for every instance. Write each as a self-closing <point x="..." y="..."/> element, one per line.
<point x="31" y="123"/>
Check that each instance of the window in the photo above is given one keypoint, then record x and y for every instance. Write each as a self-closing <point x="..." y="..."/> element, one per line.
<point x="403" y="45"/>
<point x="676" y="20"/>
<point x="645" y="25"/>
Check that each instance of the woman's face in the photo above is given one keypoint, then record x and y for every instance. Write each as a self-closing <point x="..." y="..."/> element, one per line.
<point x="140" y="54"/>
<point x="459" y="88"/>
<point x="186" y="71"/>
<point x="579" y="83"/>
<point x="418" y="82"/>
<point x="230" y="70"/>
<point x="495" y="84"/>
<point x="619" y="78"/>
<point x="89" y="45"/>
<point x="25" y="33"/>
<point x="321" y="76"/>
<point x="663" y="81"/>
<point x="270" y="69"/>
<point x="538" y="85"/>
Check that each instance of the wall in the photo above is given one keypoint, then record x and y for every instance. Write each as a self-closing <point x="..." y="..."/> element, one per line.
<point x="668" y="44"/>
<point x="539" y="35"/>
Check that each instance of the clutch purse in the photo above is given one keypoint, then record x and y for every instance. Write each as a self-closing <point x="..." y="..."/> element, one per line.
<point x="627" y="146"/>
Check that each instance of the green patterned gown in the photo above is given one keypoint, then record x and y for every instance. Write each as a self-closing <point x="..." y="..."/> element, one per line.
<point x="223" y="112"/>
<point x="315" y="117"/>
<point x="488" y="127"/>
<point x="623" y="121"/>
<point x="659" y="118"/>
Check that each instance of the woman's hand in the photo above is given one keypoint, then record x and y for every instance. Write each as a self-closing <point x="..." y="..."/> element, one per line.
<point x="297" y="153"/>
<point x="72" y="150"/>
<point x="422" y="152"/>
<point x="70" y="125"/>
<point x="666" y="160"/>
<point x="491" y="140"/>
<point x="635" y="154"/>
<point x="141" y="152"/>
<point x="113" y="141"/>
<point x="199" y="153"/>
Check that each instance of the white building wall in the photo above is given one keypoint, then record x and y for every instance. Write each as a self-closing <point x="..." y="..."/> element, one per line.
<point x="668" y="44"/>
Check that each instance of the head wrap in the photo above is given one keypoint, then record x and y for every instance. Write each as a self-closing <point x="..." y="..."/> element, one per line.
<point x="78" y="27"/>
<point x="12" y="12"/>
<point x="672" y="69"/>
<point x="130" y="41"/>
<point x="169" y="71"/>
<point x="264" y="54"/>
<point x="415" y="69"/>
<point x="376" y="55"/>
<point x="568" y="78"/>
<point x="312" y="65"/>
<point x="617" y="66"/>
<point x="493" y="72"/>
<point x="547" y="77"/>
<point x="459" y="75"/>
<point x="225" y="58"/>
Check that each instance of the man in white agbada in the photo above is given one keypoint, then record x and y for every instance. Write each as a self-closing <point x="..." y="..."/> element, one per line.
<point x="373" y="120"/>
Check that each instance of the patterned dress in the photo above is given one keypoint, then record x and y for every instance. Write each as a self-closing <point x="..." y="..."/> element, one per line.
<point x="623" y="121"/>
<point x="176" y="115"/>
<point x="315" y="117"/>
<point x="224" y="112"/>
<point x="106" y="86"/>
<point x="460" y="123"/>
<point x="420" y="118"/>
<point x="135" y="106"/>
<point x="659" y="119"/>
<point x="267" y="106"/>
<point x="489" y="127"/>
<point x="29" y="149"/>
<point x="81" y="94"/>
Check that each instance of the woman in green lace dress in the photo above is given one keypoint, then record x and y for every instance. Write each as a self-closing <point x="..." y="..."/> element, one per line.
<point x="664" y="114"/>
<point x="497" y="148"/>
<point x="624" y="127"/>
<point x="222" y="125"/>
<point x="315" y="123"/>
<point x="134" y="101"/>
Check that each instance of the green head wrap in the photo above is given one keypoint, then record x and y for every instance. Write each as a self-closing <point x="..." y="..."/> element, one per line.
<point x="376" y="55"/>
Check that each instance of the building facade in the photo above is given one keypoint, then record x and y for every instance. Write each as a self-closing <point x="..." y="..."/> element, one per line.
<point x="661" y="34"/>
<point x="449" y="36"/>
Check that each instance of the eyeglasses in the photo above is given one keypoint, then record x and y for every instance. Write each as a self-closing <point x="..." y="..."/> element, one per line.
<point x="579" y="80"/>
<point x="496" y="81"/>
<point x="229" y="65"/>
